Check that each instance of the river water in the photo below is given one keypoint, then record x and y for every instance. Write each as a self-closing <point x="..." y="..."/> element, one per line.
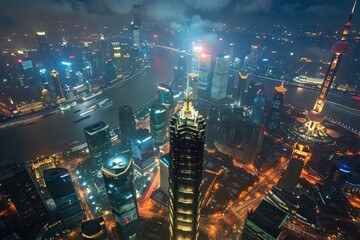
<point x="52" y="134"/>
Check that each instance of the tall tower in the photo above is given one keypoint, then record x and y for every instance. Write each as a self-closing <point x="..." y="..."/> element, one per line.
<point x="61" y="189"/>
<point x="258" y="107"/>
<point x="135" y="26"/>
<point x="31" y="210"/>
<point x="240" y="87"/>
<point x="165" y="95"/>
<point x="158" y="123"/>
<point x="273" y="119"/>
<point x="99" y="142"/>
<point x="313" y="126"/>
<point x="195" y="59"/>
<point x="103" y="53"/>
<point x="193" y="77"/>
<point x="127" y="123"/>
<point x="220" y="78"/>
<point x="44" y="48"/>
<point x="57" y="84"/>
<point x="119" y="183"/>
<point x="299" y="157"/>
<point x="204" y="72"/>
<point x="187" y="139"/>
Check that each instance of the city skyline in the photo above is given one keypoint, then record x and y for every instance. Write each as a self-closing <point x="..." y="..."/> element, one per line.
<point x="144" y="120"/>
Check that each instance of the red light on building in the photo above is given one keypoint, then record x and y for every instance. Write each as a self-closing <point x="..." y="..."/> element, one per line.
<point x="19" y="60"/>
<point x="204" y="55"/>
<point x="72" y="57"/>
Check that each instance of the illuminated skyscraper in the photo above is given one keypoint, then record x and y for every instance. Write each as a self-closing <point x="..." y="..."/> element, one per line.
<point x="300" y="155"/>
<point x="252" y="145"/>
<point x="204" y="72"/>
<point x="239" y="90"/>
<point x="103" y="53"/>
<point x="142" y="147"/>
<point x="126" y="122"/>
<point x="110" y="71"/>
<point x="339" y="174"/>
<point x="253" y="88"/>
<point x="258" y="107"/>
<point x="220" y="78"/>
<point x="187" y="138"/>
<point x="55" y="78"/>
<point x="195" y="60"/>
<point x="119" y="183"/>
<point x="193" y="78"/>
<point x="180" y="71"/>
<point x="59" y="184"/>
<point x="252" y="60"/>
<point x="274" y="116"/>
<point x="44" y="48"/>
<point x="165" y="95"/>
<point x="135" y="26"/>
<point x="30" y="208"/>
<point x="99" y="142"/>
<point x="313" y="127"/>
<point x="158" y="123"/>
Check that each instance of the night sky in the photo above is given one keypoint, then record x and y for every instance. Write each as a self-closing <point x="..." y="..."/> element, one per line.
<point x="25" y="14"/>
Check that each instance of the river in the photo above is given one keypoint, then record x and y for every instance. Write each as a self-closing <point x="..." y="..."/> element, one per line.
<point x="52" y="134"/>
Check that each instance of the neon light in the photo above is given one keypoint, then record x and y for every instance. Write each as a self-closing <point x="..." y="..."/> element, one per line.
<point x="146" y="139"/>
<point x="66" y="63"/>
<point x="345" y="171"/>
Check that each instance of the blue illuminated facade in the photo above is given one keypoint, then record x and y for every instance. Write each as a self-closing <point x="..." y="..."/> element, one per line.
<point x="119" y="183"/>
<point x="258" y="107"/>
<point x="338" y="176"/>
<point x="142" y="146"/>
<point x="158" y="123"/>
<point x="99" y="142"/>
<point x="165" y="95"/>
<point x="61" y="189"/>
<point x="274" y="117"/>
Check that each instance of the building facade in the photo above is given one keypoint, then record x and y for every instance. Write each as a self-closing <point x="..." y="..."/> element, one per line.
<point x="158" y="124"/>
<point x="99" y="142"/>
<point x="187" y="138"/>
<point x="220" y="78"/>
<point x="274" y="116"/>
<point x="59" y="184"/>
<point x="119" y="183"/>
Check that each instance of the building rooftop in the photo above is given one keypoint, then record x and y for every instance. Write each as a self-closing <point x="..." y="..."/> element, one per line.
<point x="268" y="217"/>
<point x="117" y="164"/>
<point x="93" y="228"/>
<point x="95" y="128"/>
<point x="142" y="135"/>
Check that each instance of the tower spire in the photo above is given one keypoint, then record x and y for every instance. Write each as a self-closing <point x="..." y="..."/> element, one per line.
<point x="315" y="116"/>
<point x="348" y="23"/>
<point x="187" y="94"/>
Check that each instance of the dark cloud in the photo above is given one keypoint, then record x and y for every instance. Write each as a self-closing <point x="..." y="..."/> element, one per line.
<point x="254" y="6"/>
<point x="175" y="11"/>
